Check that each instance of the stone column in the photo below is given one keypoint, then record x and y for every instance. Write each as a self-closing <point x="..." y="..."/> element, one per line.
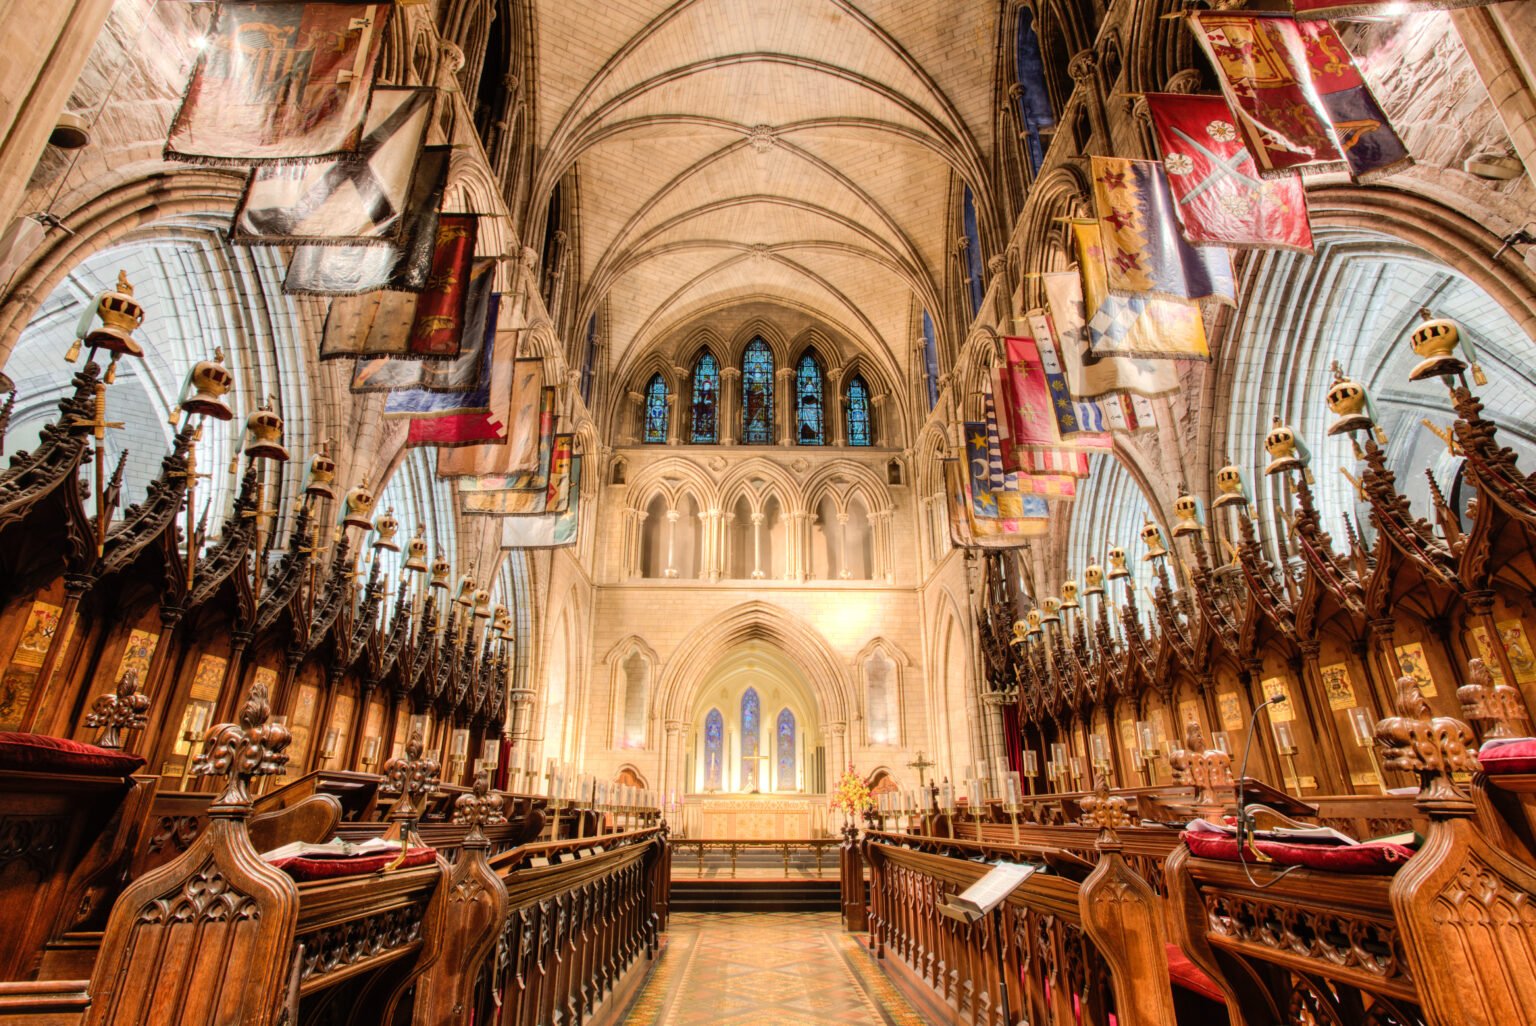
<point x="757" y="547"/>
<point x="670" y="776"/>
<point x="843" y="573"/>
<point x="46" y="47"/>
<point x="730" y="404"/>
<point x="879" y="411"/>
<point x="837" y="750"/>
<point x="714" y="544"/>
<point x="672" y="518"/>
<point x="832" y="407"/>
<point x="674" y="428"/>
<point x="784" y="400"/>
<point x="884" y="562"/>
<point x="636" y="419"/>
<point x="1486" y="32"/>
<point x="798" y="556"/>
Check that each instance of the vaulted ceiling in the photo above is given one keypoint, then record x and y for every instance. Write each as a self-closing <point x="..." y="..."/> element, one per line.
<point x="795" y="150"/>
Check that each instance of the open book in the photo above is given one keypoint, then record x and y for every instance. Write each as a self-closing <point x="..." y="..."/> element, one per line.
<point x="333" y="849"/>
<point x="989" y="892"/>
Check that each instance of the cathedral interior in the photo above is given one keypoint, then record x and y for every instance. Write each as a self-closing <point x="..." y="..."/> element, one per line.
<point x="558" y="513"/>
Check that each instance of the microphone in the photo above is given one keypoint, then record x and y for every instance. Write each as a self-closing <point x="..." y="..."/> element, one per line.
<point x="1244" y="821"/>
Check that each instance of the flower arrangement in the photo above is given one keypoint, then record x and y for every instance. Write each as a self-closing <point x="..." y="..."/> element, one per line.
<point x="850" y="795"/>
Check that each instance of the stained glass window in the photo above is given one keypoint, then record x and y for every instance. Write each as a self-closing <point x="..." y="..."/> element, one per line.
<point x="975" y="286"/>
<point x="786" y="760"/>
<point x="808" y="404"/>
<point x="706" y="401"/>
<point x="1034" y="99"/>
<point x="757" y="394"/>
<point x="930" y="360"/>
<point x="714" y="747"/>
<point x="656" y="411"/>
<point x="749" y="739"/>
<point x="859" y="430"/>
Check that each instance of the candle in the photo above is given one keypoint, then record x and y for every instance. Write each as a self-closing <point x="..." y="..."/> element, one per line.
<point x="1147" y="738"/>
<point x="1031" y="764"/>
<point x="1284" y="739"/>
<point x="1360" y="724"/>
<point x="1223" y="741"/>
<point x="1100" y="745"/>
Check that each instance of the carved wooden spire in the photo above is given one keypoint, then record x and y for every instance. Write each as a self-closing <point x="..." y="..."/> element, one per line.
<point x="480" y="808"/>
<point x="1106" y="811"/>
<point x="1433" y="747"/>
<point x="1497" y="709"/>
<point x="243" y="751"/>
<point x="118" y="712"/>
<point x="412" y="776"/>
<point x="1209" y="770"/>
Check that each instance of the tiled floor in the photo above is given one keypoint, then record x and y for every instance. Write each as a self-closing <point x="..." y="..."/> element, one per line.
<point x="767" y="969"/>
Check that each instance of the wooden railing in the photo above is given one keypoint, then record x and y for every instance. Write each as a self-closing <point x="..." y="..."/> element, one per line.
<point x="696" y="850"/>
<point x="1055" y="952"/>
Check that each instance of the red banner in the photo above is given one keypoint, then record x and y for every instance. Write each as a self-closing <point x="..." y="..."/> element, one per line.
<point x="1024" y="417"/>
<point x="438" y="330"/>
<point x="1306" y="9"/>
<point x="1219" y="195"/>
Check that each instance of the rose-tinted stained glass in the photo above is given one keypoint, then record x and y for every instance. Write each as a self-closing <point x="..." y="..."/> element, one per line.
<point x="750" y="750"/>
<point x="706" y="401"/>
<point x="656" y="411"/>
<point x="859" y="430"/>
<point x="809" y="422"/>
<point x="786" y="760"/>
<point x="714" y="747"/>
<point x="757" y="394"/>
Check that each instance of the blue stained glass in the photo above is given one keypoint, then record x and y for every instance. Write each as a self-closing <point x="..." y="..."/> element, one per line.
<point x="974" y="283"/>
<point x="808" y="404"/>
<point x="757" y="394"/>
<point x="706" y="401"/>
<point x="859" y="432"/>
<point x="1034" y="99"/>
<point x="786" y="760"/>
<point x="749" y="737"/>
<point x="656" y="411"/>
<point x="930" y="360"/>
<point x="714" y="744"/>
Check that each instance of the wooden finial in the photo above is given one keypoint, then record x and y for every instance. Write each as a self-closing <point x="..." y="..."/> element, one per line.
<point x="412" y="776"/>
<point x="243" y="751"/>
<point x="1432" y="747"/>
<point x="479" y="808"/>
<point x="118" y="712"/>
<point x="1208" y="770"/>
<point x="1497" y="708"/>
<point x="1106" y="811"/>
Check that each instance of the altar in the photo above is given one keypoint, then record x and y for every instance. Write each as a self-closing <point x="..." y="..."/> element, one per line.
<point x="755" y="817"/>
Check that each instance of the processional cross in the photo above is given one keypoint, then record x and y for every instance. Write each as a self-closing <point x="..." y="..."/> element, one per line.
<point x="921" y="764"/>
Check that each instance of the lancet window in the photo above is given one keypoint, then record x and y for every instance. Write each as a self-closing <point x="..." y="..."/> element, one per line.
<point x="714" y="750"/>
<point x="656" y="411"/>
<point x="757" y="394"/>
<point x="751" y="715"/>
<point x="785" y="731"/>
<point x="705" y="411"/>
<point x="809" y="419"/>
<point x="860" y="430"/>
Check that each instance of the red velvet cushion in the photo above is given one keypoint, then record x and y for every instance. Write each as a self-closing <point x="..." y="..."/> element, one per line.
<point x="1371" y="857"/>
<point x="1517" y="756"/>
<point x="1191" y="977"/>
<point x="311" y="867"/>
<point x="40" y="753"/>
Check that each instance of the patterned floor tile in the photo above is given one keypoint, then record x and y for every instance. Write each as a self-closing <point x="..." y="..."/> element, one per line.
<point x="767" y="969"/>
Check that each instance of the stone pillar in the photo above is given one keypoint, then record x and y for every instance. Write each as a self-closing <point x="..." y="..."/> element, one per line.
<point x="674" y="428"/>
<point x="884" y="562"/>
<point x="784" y="401"/>
<point x="757" y="547"/>
<point x="879" y="412"/>
<point x="671" y="568"/>
<point x="1495" y="53"/>
<point x="843" y="573"/>
<point x="832" y="407"/>
<point x="730" y="404"/>
<point x="837" y="750"/>
<point x="714" y="544"/>
<point x="46" y="48"/>
<point x="636" y="432"/>
<point x="670" y="776"/>
<point x="798" y="555"/>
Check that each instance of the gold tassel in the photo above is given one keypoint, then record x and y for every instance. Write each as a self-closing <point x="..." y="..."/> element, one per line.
<point x="1478" y="377"/>
<point x="175" y="415"/>
<point x="73" y="353"/>
<point x="1381" y="436"/>
<point x="111" y="370"/>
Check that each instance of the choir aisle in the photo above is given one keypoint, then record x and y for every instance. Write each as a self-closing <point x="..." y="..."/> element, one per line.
<point x="778" y="968"/>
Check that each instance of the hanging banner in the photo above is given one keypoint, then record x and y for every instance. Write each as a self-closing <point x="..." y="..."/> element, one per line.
<point x="1024" y="417"/>
<point x="1376" y="8"/>
<point x="479" y="496"/>
<point x="1297" y="97"/>
<point x="1089" y="376"/>
<point x="1144" y="254"/>
<point x="404" y="266"/>
<point x="413" y="383"/>
<point x="1133" y="326"/>
<point x="1081" y="423"/>
<point x="360" y="200"/>
<point x="280" y="82"/>
<point x="1219" y="195"/>
<point x="553" y="530"/>
<point x="516" y="423"/>
<point x="970" y="531"/>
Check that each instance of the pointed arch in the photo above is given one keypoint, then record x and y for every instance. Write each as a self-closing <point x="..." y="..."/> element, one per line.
<point x="810" y="401"/>
<point x="860" y="416"/>
<point x="757" y="370"/>
<point x="657" y="403"/>
<point x="704" y="401"/>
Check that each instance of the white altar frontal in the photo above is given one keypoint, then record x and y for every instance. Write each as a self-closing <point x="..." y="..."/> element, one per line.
<point x="755" y="817"/>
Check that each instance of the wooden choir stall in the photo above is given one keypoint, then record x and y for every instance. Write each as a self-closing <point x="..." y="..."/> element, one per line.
<point x="240" y="783"/>
<point x="1358" y="846"/>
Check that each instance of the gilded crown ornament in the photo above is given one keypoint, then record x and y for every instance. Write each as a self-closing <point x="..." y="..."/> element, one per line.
<point x="321" y="482"/>
<point x="1152" y="537"/>
<point x="1020" y="632"/>
<point x="482" y="604"/>
<point x="1435" y="342"/>
<point x="1069" y="595"/>
<point x="1187" y="509"/>
<point x="1050" y="610"/>
<point x="244" y="751"/>
<point x="1035" y="618"/>
<point x="264" y="434"/>
<point x="209" y="382"/>
<point x="1093" y="579"/>
<point x="501" y="622"/>
<point x="478" y="809"/>
<point x="1285" y="448"/>
<point x="1229" y="486"/>
<point x="465" y="594"/>
<point x="118" y="712"/>
<point x="1497" y="708"/>
<point x="1117" y="568"/>
<point x="441" y="571"/>
<point x="416" y="551"/>
<point x="1430" y="747"/>
<point x="1351" y="406"/>
<point x="387" y="526"/>
<point x="357" y="507"/>
<point x="120" y="316"/>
